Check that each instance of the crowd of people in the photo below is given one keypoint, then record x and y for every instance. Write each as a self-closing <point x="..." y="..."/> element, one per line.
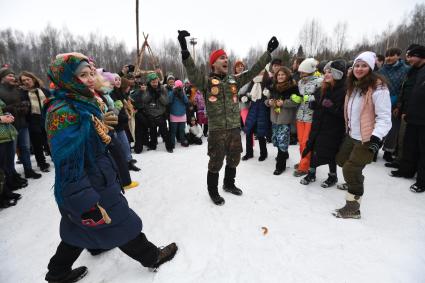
<point x="90" y="122"/>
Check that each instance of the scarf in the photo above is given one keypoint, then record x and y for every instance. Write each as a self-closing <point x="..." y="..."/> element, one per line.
<point x="73" y="123"/>
<point x="37" y="99"/>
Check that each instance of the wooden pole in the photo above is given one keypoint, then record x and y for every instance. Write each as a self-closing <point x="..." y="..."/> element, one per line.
<point x="137" y="32"/>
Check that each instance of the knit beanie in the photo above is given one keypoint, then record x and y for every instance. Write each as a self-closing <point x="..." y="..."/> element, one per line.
<point x="368" y="57"/>
<point x="4" y="72"/>
<point x="416" y="50"/>
<point x="308" y="66"/>
<point x="215" y="55"/>
<point x="170" y="77"/>
<point x="337" y="68"/>
<point x="150" y="77"/>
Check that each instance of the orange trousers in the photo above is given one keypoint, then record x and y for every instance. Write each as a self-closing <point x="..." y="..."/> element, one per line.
<point x="303" y="132"/>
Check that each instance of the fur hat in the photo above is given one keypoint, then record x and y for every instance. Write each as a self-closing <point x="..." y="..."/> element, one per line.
<point x="170" y="77"/>
<point x="368" y="57"/>
<point x="5" y="71"/>
<point x="151" y="76"/>
<point x="178" y="83"/>
<point x="337" y="68"/>
<point x="416" y="50"/>
<point x="308" y="66"/>
<point x="215" y="55"/>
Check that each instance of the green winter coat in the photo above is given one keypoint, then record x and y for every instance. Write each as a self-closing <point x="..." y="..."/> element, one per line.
<point x="223" y="107"/>
<point x="8" y="132"/>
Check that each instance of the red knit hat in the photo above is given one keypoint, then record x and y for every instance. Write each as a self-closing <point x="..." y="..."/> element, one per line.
<point x="215" y="55"/>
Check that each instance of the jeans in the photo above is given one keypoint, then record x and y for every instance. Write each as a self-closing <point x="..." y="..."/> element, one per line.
<point x="121" y="135"/>
<point x="23" y="143"/>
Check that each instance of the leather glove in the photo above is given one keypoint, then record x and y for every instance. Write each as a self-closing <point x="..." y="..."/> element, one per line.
<point x="273" y="44"/>
<point x="375" y="144"/>
<point x="327" y="103"/>
<point x="110" y="120"/>
<point x="182" y="39"/>
<point x="296" y="98"/>
<point x="95" y="216"/>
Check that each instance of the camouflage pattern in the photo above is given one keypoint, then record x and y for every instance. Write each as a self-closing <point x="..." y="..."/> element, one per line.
<point x="224" y="143"/>
<point x="221" y="94"/>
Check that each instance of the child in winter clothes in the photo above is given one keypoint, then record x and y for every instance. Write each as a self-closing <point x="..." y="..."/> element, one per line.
<point x="178" y="102"/>
<point x="194" y="132"/>
<point x="307" y="85"/>
<point x="201" y="113"/>
<point x="283" y="108"/>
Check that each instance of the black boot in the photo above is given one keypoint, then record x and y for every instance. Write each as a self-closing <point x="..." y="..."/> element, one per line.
<point x="229" y="181"/>
<point x="132" y="166"/>
<point x="330" y="181"/>
<point x="29" y="173"/>
<point x="388" y="156"/>
<point x="263" y="149"/>
<point x="280" y="162"/>
<point x="310" y="178"/>
<point x="44" y="167"/>
<point x="212" y="182"/>
<point x="71" y="276"/>
<point x="247" y="156"/>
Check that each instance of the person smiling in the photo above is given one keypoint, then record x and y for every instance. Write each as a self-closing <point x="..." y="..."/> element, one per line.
<point x="367" y="113"/>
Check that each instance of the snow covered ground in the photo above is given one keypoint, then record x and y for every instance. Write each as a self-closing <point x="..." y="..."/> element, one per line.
<point x="304" y="243"/>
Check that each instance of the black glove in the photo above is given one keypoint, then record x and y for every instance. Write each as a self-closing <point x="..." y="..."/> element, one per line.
<point x="307" y="149"/>
<point x="93" y="217"/>
<point x="182" y="39"/>
<point x="375" y="144"/>
<point x="273" y="44"/>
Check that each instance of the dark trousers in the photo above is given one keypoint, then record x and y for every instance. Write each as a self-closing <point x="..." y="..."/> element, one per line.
<point x="390" y="142"/>
<point x="353" y="156"/>
<point x="141" y="131"/>
<point x="117" y="153"/>
<point x="413" y="159"/>
<point x="7" y="158"/>
<point x="163" y="130"/>
<point x="139" y="249"/>
<point x="39" y="142"/>
<point x="249" y="147"/>
<point x="315" y="162"/>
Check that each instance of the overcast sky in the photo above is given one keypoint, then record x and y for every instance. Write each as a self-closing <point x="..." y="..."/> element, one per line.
<point x="239" y="24"/>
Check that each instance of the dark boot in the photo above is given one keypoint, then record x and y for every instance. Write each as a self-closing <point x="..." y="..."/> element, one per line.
<point x="44" y="167"/>
<point x="263" y="149"/>
<point x="280" y="162"/>
<point x="330" y="181"/>
<point x="229" y="181"/>
<point x="133" y="167"/>
<point x="351" y="208"/>
<point x="71" y="276"/>
<point x="212" y="182"/>
<point x="29" y="173"/>
<point x="388" y="156"/>
<point x="310" y="178"/>
<point x="165" y="254"/>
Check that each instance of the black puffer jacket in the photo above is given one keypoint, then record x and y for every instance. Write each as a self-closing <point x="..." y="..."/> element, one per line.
<point x="15" y="105"/>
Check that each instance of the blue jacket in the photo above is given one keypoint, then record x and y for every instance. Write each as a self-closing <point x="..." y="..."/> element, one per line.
<point x="177" y="103"/>
<point x="259" y="117"/>
<point x="100" y="185"/>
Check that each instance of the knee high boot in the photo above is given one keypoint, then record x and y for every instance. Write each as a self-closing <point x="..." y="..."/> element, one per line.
<point x="229" y="181"/>
<point x="212" y="182"/>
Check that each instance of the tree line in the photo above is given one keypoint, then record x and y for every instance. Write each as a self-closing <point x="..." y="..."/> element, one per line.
<point x="33" y="52"/>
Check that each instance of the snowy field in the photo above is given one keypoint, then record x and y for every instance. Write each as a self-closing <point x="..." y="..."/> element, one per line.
<point x="304" y="243"/>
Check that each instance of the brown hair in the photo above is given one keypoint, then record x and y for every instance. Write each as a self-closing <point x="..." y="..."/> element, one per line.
<point x="287" y="72"/>
<point x="37" y="81"/>
<point x="237" y="63"/>
<point x="372" y="79"/>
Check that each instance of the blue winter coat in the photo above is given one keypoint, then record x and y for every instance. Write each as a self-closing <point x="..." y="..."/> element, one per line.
<point x="177" y="103"/>
<point x="100" y="185"/>
<point x="259" y="117"/>
<point x="395" y="75"/>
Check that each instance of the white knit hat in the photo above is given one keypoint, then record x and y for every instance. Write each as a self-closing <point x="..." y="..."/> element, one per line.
<point x="308" y="66"/>
<point x="369" y="57"/>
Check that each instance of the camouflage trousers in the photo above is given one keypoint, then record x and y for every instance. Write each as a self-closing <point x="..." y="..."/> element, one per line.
<point x="221" y="144"/>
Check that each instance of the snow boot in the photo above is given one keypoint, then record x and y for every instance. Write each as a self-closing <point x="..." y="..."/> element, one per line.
<point x="281" y="158"/>
<point x="212" y="182"/>
<point x="417" y="188"/>
<point x="71" y="276"/>
<point x="310" y="178"/>
<point x="388" y="156"/>
<point x="165" y="254"/>
<point x="330" y="181"/>
<point x="229" y="181"/>
<point x="29" y="173"/>
<point x="393" y="164"/>
<point x="351" y="208"/>
<point x="247" y="156"/>
<point x="133" y="167"/>
<point x="44" y="167"/>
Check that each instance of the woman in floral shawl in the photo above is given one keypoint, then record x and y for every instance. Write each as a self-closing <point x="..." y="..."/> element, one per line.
<point x="95" y="214"/>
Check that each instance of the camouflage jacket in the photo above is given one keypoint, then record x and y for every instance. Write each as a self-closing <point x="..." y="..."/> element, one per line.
<point x="221" y="94"/>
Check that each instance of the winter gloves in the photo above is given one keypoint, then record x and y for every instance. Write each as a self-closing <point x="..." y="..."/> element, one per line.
<point x="95" y="216"/>
<point x="375" y="144"/>
<point x="183" y="44"/>
<point x="296" y="98"/>
<point x="273" y="44"/>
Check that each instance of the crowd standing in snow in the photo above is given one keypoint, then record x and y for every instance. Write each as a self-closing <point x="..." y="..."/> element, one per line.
<point x="91" y="121"/>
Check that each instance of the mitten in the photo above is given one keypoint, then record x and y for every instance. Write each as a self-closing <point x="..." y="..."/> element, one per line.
<point x="296" y="98"/>
<point x="375" y="144"/>
<point x="273" y="44"/>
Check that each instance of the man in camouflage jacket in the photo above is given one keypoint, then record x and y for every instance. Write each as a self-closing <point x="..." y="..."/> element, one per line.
<point x="222" y="103"/>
